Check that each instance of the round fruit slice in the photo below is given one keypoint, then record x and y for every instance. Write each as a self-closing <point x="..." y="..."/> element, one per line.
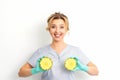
<point x="70" y="63"/>
<point x="46" y="63"/>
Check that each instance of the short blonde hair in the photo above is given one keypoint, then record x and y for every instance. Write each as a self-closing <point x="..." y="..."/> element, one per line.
<point x="57" y="15"/>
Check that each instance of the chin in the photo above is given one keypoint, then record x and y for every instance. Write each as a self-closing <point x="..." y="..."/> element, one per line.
<point x="58" y="40"/>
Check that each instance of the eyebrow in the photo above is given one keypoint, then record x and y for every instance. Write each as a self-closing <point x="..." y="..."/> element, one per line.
<point x="55" y="24"/>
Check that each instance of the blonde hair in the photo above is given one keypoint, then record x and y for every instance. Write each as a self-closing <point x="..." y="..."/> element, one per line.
<point x="57" y="15"/>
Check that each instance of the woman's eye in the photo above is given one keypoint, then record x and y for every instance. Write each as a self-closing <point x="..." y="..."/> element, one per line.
<point x="52" y="26"/>
<point x="61" y="26"/>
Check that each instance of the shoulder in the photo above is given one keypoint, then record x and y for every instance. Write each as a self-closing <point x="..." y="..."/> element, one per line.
<point x="43" y="48"/>
<point x="72" y="47"/>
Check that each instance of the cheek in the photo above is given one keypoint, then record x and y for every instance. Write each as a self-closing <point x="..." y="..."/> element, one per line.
<point x="64" y="31"/>
<point x="51" y="32"/>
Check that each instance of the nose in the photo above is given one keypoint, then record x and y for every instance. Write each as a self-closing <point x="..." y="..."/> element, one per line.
<point x="57" y="30"/>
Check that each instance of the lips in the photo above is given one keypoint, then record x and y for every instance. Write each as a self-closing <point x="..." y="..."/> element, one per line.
<point x="57" y="35"/>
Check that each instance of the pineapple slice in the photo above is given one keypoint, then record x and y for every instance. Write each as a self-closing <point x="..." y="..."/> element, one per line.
<point x="46" y="63"/>
<point x="70" y="63"/>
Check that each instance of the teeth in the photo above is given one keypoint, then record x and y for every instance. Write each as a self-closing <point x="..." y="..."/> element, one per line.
<point x="57" y="35"/>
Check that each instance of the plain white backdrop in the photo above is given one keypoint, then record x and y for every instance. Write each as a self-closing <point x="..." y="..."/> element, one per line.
<point x="94" y="27"/>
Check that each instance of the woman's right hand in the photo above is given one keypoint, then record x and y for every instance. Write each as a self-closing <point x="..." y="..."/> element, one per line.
<point x="37" y="69"/>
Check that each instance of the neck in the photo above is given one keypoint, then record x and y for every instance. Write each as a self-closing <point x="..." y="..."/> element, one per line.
<point x="58" y="44"/>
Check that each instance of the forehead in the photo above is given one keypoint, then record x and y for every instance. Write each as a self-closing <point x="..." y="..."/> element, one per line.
<point x="58" y="21"/>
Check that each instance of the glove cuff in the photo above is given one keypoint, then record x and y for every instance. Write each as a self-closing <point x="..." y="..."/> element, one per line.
<point x="33" y="71"/>
<point x="85" y="68"/>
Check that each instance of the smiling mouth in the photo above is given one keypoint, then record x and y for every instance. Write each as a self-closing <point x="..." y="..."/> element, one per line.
<point x="57" y="35"/>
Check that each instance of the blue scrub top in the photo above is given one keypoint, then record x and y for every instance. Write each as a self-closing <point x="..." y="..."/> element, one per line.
<point x="58" y="71"/>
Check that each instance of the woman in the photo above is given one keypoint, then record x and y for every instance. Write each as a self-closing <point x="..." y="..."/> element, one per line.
<point x="58" y="51"/>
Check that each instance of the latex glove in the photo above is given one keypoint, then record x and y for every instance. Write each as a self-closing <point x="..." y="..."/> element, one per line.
<point x="37" y="69"/>
<point x="80" y="66"/>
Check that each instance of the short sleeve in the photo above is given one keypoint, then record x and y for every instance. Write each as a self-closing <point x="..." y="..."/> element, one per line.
<point x="32" y="60"/>
<point x="82" y="57"/>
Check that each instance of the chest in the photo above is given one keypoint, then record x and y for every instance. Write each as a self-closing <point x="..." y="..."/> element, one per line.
<point x="58" y="50"/>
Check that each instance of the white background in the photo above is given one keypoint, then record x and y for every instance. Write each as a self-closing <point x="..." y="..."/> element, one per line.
<point x="94" y="27"/>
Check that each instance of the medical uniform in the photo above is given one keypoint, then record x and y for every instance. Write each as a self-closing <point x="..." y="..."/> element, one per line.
<point x="58" y="71"/>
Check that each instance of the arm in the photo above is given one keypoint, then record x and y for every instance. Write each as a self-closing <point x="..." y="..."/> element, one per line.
<point x="92" y="69"/>
<point x="28" y="70"/>
<point x="25" y="70"/>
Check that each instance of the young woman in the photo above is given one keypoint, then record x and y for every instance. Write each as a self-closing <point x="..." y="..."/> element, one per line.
<point x="58" y="51"/>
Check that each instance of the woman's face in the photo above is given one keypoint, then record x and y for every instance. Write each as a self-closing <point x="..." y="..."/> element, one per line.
<point x="58" y="29"/>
